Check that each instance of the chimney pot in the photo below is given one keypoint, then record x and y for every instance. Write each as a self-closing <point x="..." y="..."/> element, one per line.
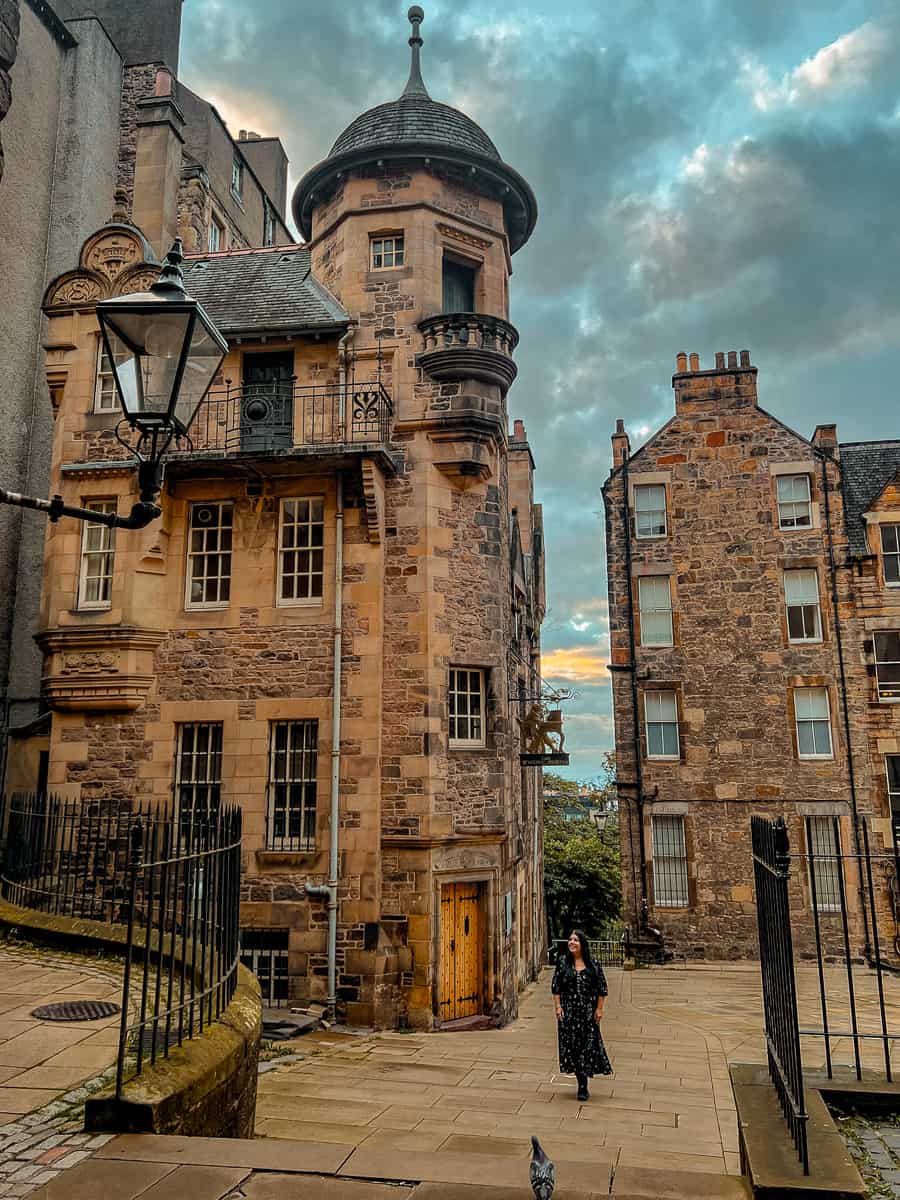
<point x="620" y="425"/>
<point x="695" y="362"/>
<point x="681" y="361"/>
<point x="519" y="430"/>
<point x="745" y="358"/>
<point x="720" y="360"/>
<point x="732" y="360"/>
<point x="242" y="135"/>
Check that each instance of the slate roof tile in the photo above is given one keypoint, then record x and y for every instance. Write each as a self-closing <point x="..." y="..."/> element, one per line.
<point x="866" y="469"/>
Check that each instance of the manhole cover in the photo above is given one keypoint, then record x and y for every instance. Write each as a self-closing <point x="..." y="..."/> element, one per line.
<point x="77" y="1010"/>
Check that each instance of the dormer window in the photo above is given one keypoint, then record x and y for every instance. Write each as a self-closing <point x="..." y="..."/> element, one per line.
<point x="388" y="251"/>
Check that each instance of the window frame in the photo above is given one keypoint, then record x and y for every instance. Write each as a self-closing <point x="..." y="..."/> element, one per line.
<point x="191" y="555"/>
<point x="793" y="476"/>
<point x="799" y="641"/>
<point x="885" y="662"/>
<point x="99" y="376"/>
<point x="219" y="227"/>
<point x="834" y="864"/>
<point x="660" y="691"/>
<point x="892" y="554"/>
<point x="268" y="237"/>
<point x="237" y="176"/>
<point x="468" y="743"/>
<point x="308" y="782"/>
<point x="892" y="793"/>
<point x="379" y="239"/>
<point x="109" y="504"/>
<point x="639" y="489"/>
<point x="672" y="867"/>
<point x="250" y="957"/>
<point x="310" y="601"/>
<point x="656" y="612"/>
<point x="813" y="721"/>
<point x="213" y="758"/>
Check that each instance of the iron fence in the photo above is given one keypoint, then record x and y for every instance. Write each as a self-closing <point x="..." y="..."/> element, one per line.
<point x="607" y="951"/>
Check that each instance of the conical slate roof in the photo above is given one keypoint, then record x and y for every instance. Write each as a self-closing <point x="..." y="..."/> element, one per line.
<point x="415" y="118"/>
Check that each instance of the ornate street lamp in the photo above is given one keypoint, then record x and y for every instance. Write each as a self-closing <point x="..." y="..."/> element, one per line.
<point x="164" y="351"/>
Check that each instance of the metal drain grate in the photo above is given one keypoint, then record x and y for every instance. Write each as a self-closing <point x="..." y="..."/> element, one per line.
<point x="77" y="1010"/>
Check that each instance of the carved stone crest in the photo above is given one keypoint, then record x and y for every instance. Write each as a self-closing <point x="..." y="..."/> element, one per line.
<point x="111" y="254"/>
<point x="80" y="290"/>
<point x="88" y="662"/>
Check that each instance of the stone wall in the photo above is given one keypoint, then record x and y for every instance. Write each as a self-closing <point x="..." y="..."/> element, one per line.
<point x="9" y="43"/>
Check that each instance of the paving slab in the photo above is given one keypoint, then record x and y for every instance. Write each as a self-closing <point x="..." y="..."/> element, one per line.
<point x="277" y="1187"/>
<point x="653" y="1184"/>
<point x="454" y="1169"/>
<point x="95" y="1179"/>
<point x="269" y="1154"/>
<point x="196" y="1183"/>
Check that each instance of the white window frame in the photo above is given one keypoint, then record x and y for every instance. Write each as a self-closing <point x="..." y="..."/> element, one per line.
<point x="237" y="177"/>
<point x="311" y="599"/>
<point x="788" y="505"/>
<point x="892" y="791"/>
<point x="671" y="888"/>
<point x="644" y="491"/>
<point x="106" y="399"/>
<point x="295" y="768"/>
<point x="470" y="720"/>
<point x="826" y="862"/>
<point x="814" y="721"/>
<point x="204" y="777"/>
<point x="650" y="613"/>
<point x="105" y="537"/>
<point x="215" y="227"/>
<point x="194" y="556"/>
<point x="653" y="707"/>
<point x="892" y="554"/>
<point x="886" y="662"/>
<point x="387" y="246"/>
<point x="804" y="602"/>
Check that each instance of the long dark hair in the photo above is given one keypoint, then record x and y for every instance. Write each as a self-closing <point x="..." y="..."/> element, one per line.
<point x="566" y="960"/>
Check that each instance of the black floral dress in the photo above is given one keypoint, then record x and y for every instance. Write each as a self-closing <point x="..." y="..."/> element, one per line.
<point x="581" y="1049"/>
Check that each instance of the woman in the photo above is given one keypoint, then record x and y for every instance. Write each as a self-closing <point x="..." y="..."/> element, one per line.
<point x="579" y="993"/>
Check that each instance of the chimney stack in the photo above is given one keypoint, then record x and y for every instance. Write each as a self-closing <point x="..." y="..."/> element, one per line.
<point x="519" y="434"/>
<point x="825" y="437"/>
<point x="727" y="385"/>
<point x="621" y="446"/>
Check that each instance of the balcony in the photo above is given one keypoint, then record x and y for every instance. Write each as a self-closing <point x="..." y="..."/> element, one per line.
<point x="469" y="346"/>
<point x="278" y="420"/>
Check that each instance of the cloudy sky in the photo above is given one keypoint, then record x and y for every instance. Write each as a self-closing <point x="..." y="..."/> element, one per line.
<point x="711" y="175"/>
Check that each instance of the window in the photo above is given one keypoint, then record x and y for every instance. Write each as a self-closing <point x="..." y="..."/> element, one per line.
<point x="813" y="717"/>
<point x="105" y="398"/>
<point x="890" y="554"/>
<point x="655" y="601"/>
<point x="268" y="224"/>
<point x="670" y="877"/>
<point x="892" y="766"/>
<point x="466" y="707"/>
<point x="98" y="549"/>
<point x="650" y="510"/>
<point x="293" y="764"/>
<point x="824" y="862"/>
<point x="794" y="507"/>
<point x="198" y="771"/>
<point x="801" y="598"/>
<point x="388" y="251"/>
<point x="209" y="555"/>
<point x="458" y="287"/>
<point x="216" y="236"/>
<point x="300" y="554"/>
<point x="887" y="667"/>
<point x="661" y="714"/>
<point x="237" y="177"/>
<point x="265" y="953"/>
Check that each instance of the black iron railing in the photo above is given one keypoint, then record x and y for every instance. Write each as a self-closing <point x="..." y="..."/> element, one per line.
<point x="771" y="865"/>
<point x="267" y="418"/>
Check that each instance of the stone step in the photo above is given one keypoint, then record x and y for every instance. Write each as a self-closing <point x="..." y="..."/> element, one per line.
<point x="648" y="1183"/>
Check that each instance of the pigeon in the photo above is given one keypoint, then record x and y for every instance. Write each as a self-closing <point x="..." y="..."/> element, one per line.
<point x="543" y="1173"/>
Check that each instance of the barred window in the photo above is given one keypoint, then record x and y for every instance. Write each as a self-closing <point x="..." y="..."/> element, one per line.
<point x="887" y="667"/>
<point x="209" y="555"/>
<point x="388" y="251"/>
<point x="649" y="510"/>
<point x="813" y="716"/>
<point x="670" y="876"/>
<point x="661" y="715"/>
<point x="301" y="537"/>
<point x="293" y="766"/>
<point x="801" y="598"/>
<point x="823" y="835"/>
<point x="198" y="766"/>
<point x="890" y="554"/>
<point x="105" y="397"/>
<point x="98" y="550"/>
<point x="265" y="953"/>
<point x="466" y="707"/>
<point x="794" y="502"/>
<point x="655" y="601"/>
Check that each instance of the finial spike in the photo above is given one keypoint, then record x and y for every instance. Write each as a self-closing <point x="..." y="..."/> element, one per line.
<point x="170" y="276"/>
<point x="415" y="84"/>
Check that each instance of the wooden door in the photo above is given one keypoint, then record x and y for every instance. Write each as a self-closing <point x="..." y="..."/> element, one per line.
<point x="462" y="951"/>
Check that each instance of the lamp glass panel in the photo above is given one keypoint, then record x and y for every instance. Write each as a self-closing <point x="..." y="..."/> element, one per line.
<point x="157" y="340"/>
<point x="203" y="359"/>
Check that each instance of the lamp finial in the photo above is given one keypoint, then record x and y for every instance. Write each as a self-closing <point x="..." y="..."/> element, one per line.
<point x="170" y="276"/>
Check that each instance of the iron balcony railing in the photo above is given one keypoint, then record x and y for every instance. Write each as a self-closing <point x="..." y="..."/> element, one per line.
<point x="268" y="418"/>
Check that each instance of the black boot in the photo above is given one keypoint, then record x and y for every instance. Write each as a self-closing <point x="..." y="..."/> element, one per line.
<point x="583" y="1093"/>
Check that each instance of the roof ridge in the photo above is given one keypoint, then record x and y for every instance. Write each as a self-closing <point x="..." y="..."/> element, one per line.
<point x="286" y="248"/>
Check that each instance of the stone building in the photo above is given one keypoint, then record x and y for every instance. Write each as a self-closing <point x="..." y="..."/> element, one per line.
<point x="346" y="588"/>
<point x="91" y="102"/>
<point x="754" y="604"/>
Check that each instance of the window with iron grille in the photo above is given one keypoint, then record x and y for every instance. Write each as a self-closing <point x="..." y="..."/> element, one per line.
<point x="655" y="602"/>
<point x="293" y="765"/>
<point x="301" y="538"/>
<point x="661" y="716"/>
<point x="466" y="705"/>
<point x="198" y="771"/>
<point x="825" y="862"/>
<point x="209" y="555"/>
<point x="388" y="251"/>
<point x="649" y="510"/>
<point x="265" y="953"/>
<point x="98" y="551"/>
<point x="670" y="875"/>
<point x="794" y="502"/>
<point x="890" y="554"/>
<point x="105" y="397"/>
<point x="887" y="666"/>
<point x="801" y="598"/>
<point x="812" y="713"/>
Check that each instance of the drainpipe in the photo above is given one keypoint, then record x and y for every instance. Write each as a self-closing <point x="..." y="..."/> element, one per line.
<point x="329" y="891"/>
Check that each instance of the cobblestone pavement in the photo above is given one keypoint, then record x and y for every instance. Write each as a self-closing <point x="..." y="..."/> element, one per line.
<point x="875" y="1146"/>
